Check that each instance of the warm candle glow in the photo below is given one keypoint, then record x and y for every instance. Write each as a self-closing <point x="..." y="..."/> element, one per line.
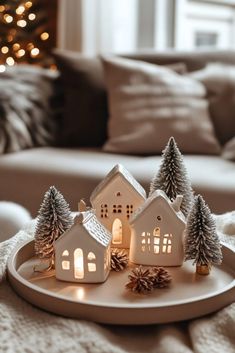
<point x="78" y="264"/>
<point x="2" y="8"/>
<point x="80" y="293"/>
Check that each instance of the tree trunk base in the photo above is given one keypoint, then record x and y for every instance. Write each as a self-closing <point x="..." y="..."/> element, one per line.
<point x="203" y="270"/>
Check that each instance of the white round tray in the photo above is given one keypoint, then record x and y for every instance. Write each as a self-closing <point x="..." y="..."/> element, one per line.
<point x="189" y="296"/>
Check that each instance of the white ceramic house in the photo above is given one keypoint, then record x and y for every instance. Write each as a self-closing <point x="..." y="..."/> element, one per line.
<point x="82" y="253"/>
<point x="115" y="199"/>
<point x="157" y="232"/>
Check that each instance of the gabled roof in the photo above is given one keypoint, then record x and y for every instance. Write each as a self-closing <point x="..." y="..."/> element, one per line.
<point x="93" y="227"/>
<point x="119" y="170"/>
<point x="156" y="194"/>
<point x="96" y="229"/>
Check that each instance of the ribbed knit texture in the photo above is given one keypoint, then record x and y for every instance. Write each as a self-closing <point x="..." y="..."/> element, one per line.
<point x="24" y="328"/>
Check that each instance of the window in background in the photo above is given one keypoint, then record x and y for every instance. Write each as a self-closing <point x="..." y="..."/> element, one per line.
<point x="204" y="24"/>
<point x="97" y="26"/>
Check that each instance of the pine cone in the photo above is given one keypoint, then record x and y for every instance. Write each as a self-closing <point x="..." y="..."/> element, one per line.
<point x="119" y="259"/>
<point x="140" y="281"/>
<point x="161" y="277"/>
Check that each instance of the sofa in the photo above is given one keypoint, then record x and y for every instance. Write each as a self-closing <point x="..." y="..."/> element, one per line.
<point x="75" y="167"/>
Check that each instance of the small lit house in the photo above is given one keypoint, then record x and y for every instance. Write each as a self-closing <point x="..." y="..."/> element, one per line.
<point x="115" y="199"/>
<point x="82" y="253"/>
<point x="157" y="232"/>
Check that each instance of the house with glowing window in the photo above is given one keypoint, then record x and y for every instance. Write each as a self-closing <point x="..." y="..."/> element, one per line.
<point x="82" y="253"/>
<point x="114" y="200"/>
<point x="157" y="230"/>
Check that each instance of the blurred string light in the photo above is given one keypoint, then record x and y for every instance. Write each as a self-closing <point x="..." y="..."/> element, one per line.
<point x="15" y="45"/>
<point x="28" y="4"/>
<point x="21" y="23"/>
<point x="20" y="53"/>
<point x="34" y="52"/>
<point x="31" y="16"/>
<point x="44" y="36"/>
<point x="8" y="18"/>
<point x="4" y="50"/>
<point x="10" y="61"/>
<point x="20" y="10"/>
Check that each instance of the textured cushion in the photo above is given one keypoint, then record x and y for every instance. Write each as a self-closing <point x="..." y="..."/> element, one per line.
<point x="85" y="115"/>
<point x="25" y="117"/>
<point x="149" y="103"/>
<point x="219" y="81"/>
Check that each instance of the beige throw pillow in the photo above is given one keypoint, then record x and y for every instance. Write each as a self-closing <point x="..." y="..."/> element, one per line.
<point x="149" y="103"/>
<point x="219" y="80"/>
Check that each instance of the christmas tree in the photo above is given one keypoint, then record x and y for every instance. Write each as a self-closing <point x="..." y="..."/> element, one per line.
<point x="27" y="32"/>
<point x="54" y="218"/>
<point x="201" y="240"/>
<point x="172" y="177"/>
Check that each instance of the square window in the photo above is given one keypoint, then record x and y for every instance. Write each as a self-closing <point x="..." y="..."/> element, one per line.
<point x="65" y="265"/>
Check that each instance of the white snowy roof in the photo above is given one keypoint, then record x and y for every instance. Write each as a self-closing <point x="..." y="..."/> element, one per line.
<point x="96" y="229"/>
<point x="118" y="169"/>
<point x="148" y="202"/>
<point x="93" y="227"/>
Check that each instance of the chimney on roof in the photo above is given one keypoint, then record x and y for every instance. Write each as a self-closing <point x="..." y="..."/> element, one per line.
<point x="82" y="206"/>
<point x="177" y="203"/>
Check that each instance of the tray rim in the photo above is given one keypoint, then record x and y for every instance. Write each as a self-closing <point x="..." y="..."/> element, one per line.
<point x="13" y="276"/>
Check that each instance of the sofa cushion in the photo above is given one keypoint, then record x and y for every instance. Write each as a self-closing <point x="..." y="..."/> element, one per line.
<point x="85" y="96"/>
<point x="25" y="114"/>
<point x="85" y="108"/>
<point x="219" y="81"/>
<point x="149" y="103"/>
<point x="85" y="115"/>
<point x="27" y="175"/>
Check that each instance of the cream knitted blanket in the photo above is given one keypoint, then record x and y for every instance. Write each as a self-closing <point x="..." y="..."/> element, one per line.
<point x="24" y="328"/>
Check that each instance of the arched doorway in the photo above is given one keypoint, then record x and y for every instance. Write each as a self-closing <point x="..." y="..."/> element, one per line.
<point x="117" y="231"/>
<point x="78" y="264"/>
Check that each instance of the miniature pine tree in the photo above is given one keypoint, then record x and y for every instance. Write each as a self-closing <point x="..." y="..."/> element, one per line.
<point x="172" y="177"/>
<point x="54" y="218"/>
<point x="201" y="240"/>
